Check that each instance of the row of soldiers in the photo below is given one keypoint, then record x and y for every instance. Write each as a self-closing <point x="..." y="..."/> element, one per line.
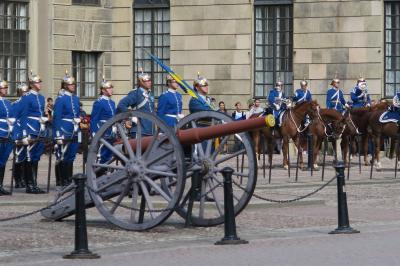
<point x="24" y="125"/>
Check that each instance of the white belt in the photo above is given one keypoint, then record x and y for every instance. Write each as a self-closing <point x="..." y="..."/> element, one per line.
<point x="75" y="121"/>
<point x="174" y="116"/>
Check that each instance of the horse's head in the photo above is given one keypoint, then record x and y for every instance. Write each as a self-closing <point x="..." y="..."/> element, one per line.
<point x="350" y="125"/>
<point x="335" y="121"/>
<point x="312" y="108"/>
<point x="338" y="127"/>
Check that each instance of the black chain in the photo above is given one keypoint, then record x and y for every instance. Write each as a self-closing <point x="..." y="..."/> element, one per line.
<point x="36" y="211"/>
<point x="286" y="201"/>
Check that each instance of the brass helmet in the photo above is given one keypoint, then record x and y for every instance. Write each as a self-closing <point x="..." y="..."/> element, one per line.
<point x="335" y="79"/>
<point x="68" y="79"/>
<point x="362" y="83"/>
<point x="143" y="77"/>
<point x="168" y="79"/>
<point x="3" y="83"/>
<point x="303" y="82"/>
<point x="23" y="87"/>
<point x="34" y="78"/>
<point x="202" y="81"/>
<point x="105" y="84"/>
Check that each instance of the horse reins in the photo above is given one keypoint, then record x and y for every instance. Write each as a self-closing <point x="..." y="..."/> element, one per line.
<point x="294" y="122"/>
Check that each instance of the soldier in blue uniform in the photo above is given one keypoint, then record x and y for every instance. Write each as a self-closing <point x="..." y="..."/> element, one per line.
<point x="203" y="103"/>
<point x="6" y="127"/>
<point x="170" y="104"/>
<point x="140" y="98"/>
<point x="66" y="129"/>
<point x="276" y="98"/>
<point x="20" y="151"/>
<point x="303" y="94"/>
<point x="359" y="94"/>
<point x="31" y="116"/>
<point x="393" y="114"/>
<point x="335" y="98"/>
<point x="103" y="109"/>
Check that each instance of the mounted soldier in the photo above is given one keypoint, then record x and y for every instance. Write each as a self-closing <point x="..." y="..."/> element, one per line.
<point x="7" y="121"/>
<point x="393" y="114"/>
<point x="359" y="95"/>
<point x="103" y="110"/>
<point x="170" y="104"/>
<point x="303" y="95"/>
<point x="20" y="152"/>
<point x="66" y="129"/>
<point x="31" y="115"/>
<point x="277" y="101"/>
<point x="335" y="97"/>
<point x="203" y="102"/>
<point x="141" y="99"/>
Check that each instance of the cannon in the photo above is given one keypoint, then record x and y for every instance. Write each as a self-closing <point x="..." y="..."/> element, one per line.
<point x="148" y="178"/>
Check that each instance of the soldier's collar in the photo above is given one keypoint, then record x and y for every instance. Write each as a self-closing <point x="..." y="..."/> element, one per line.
<point x="171" y="90"/>
<point x="104" y="97"/>
<point x="68" y="93"/>
<point x="34" y="92"/>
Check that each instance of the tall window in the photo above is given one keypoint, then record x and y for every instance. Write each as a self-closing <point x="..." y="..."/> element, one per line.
<point x="152" y="33"/>
<point x="273" y="46"/>
<point x="84" y="66"/>
<point x="14" y="42"/>
<point x="392" y="48"/>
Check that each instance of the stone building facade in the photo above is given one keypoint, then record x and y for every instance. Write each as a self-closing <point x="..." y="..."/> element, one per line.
<point x="241" y="46"/>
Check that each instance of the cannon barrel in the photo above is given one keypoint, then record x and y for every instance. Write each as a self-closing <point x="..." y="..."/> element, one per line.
<point x="197" y="135"/>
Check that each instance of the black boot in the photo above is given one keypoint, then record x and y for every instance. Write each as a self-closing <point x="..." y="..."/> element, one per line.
<point x="58" y="175"/>
<point x="28" y="177"/>
<point x="66" y="173"/>
<point x="2" y="190"/>
<point x="34" y="174"/>
<point x="19" y="175"/>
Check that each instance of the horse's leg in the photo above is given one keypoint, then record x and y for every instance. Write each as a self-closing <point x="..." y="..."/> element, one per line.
<point x="365" y="139"/>
<point x="377" y="149"/>
<point x="285" y="150"/>
<point x="317" y="143"/>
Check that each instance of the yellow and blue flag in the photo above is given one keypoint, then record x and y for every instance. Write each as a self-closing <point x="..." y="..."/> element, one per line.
<point x="182" y="83"/>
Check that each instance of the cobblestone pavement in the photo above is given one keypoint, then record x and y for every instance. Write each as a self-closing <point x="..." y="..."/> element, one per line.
<point x="371" y="202"/>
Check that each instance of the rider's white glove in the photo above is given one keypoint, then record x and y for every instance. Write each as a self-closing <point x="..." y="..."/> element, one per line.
<point x="60" y="141"/>
<point x="134" y="120"/>
<point x="368" y="105"/>
<point x="25" y="141"/>
<point x="180" y="116"/>
<point x="347" y="106"/>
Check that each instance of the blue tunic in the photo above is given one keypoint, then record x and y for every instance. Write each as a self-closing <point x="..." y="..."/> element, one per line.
<point x="138" y="99"/>
<point x="198" y="105"/>
<point x="169" y="107"/>
<point x="65" y="115"/>
<point x="335" y="99"/>
<point x="393" y="115"/>
<point x="29" y="111"/>
<point x="103" y="109"/>
<point x="302" y="96"/>
<point x="6" y="113"/>
<point x="274" y="99"/>
<point x="359" y="98"/>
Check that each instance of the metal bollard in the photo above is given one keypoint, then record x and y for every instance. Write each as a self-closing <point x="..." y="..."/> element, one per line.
<point x="230" y="237"/>
<point x="81" y="250"/>
<point x="343" y="214"/>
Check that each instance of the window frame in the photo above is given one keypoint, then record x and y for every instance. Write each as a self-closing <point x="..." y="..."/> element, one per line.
<point x="396" y="55"/>
<point x="81" y="93"/>
<point x="12" y="71"/>
<point x="153" y="71"/>
<point x="82" y="3"/>
<point x="273" y="3"/>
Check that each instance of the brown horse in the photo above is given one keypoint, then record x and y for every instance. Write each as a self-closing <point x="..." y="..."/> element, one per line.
<point x="359" y="118"/>
<point x="290" y="129"/>
<point x="377" y="130"/>
<point x="328" y="123"/>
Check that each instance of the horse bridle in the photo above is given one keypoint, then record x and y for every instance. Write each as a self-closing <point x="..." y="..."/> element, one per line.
<point x="354" y="125"/>
<point x="324" y="124"/>
<point x="294" y="122"/>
